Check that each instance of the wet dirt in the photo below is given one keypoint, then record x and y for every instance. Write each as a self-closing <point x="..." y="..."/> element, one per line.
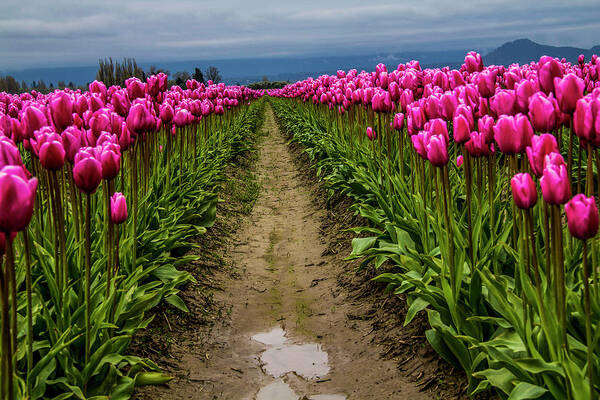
<point x="290" y="334"/>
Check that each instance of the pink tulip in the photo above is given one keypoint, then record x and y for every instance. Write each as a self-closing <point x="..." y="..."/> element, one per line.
<point x="17" y="196"/>
<point x="510" y="135"/>
<point x="541" y="146"/>
<point x="477" y="145"/>
<point x="71" y="138"/>
<point x="524" y="191"/>
<point x="61" y="110"/>
<point x="462" y="130"/>
<point x="419" y="142"/>
<point x="524" y="90"/>
<point x="110" y="159"/>
<point x="118" y="208"/>
<point x="568" y="90"/>
<point x="486" y="126"/>
<point x="87" y="171"/>
<point x="555" y="184"/>
<point x="437" y="150"/>
<point x="486" y="83"/>
<point x="371" y="134"/>
<point x="9" y="153"/>
<point x="583" y="119"/>
<point x="33" y="119"/>
<point x="473" y="62"/>
<point x="582" y="217"/>
<point x="459" y="161"/>
<point x="398" y="122"/>
<point x="542" y="113"/>
<point x="503" y="102"/>
<point x="140" y="120"/>
<point x="121" y="103"/>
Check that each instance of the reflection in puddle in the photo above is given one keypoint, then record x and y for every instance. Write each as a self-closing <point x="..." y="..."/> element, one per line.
<point x="278" y="390"/>
<point x="306" y="360"/>
<point x="281" y="358"/>
<point x="275" y="337"/>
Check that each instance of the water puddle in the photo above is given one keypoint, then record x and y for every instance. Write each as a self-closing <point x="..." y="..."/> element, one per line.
<point x="278" y="390"/>
<point x="280" y="358"/>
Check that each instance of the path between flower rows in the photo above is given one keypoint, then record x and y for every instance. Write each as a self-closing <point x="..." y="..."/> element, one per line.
<point x="289" y="336"/>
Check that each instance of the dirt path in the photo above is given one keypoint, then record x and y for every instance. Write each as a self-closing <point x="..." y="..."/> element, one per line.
<point x="289" y="336"/>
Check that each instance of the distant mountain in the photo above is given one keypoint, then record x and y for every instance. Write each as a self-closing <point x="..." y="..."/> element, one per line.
<point x="254" y="69"/>
<point x="523" y="51"/>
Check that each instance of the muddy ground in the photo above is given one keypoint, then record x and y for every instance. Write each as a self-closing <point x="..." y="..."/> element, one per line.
<point x="277" y="312"/>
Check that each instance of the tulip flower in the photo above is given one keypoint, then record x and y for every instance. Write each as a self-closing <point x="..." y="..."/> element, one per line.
<point x="568" y="90"/>
<point x="486" y="83"/>
<point x="523" y="190"/>
<point x="555" y="184"/>
<point x="52" y="153"/>
<point x="437" y="150"/>
<point x="110" y="159"/>
<point x="371" y="134"/>
<point x="503" y="102"/>
<point x="477" y="145"/>
<point x="459" y="161"/>
<point x="462" y="130"/>
<point x="524" y="90"/>
<point x="121" y="103"/>
<point x="87" y="171"/>
<point x="583" y="119"/>
<point x="140" y="120"/>
<point x="473" y="62"/>
<point x="61" y="110"/>
<point x="542" y="113"/>
<point x="419" y="142"/>
<point x="9" y="153"/>
<point x="398" y="122"/>
<point x="582" y="217"/>
<point x="118" y="208"/>
<point x="17" y="196"/>
<point x="541" y="146"/>
<point x="549" y="69"/>
<point x="511" y="134"/>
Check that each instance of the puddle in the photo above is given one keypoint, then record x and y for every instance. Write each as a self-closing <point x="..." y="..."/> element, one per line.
<point x="305" y="360"/>
<point x="308" y="361"/>
<point x="278" y="390"/>
<point x="275" y="337"/>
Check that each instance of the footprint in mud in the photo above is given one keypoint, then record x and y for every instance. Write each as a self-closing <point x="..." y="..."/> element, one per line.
<point x="308" y="361"/>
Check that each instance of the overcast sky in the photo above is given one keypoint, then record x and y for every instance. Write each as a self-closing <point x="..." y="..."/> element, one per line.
<point x="37" y="33"/>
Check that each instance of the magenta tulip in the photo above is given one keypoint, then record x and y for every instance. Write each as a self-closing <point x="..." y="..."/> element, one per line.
<point x="371" y="134"/>
<point x="437" y="150"/>
<point x="61" y="110"/>
<point x="523" y="190"/>
<point x="541" y="146"/>
<point x="582" y="217"/>
<point x="87" y="171"/>
<point x="542" y="113"/>
<point x="555" y="184"/>
<point x="118" y="208"/>
<point x="17" y="196"/>
<point x="568" y="90"/>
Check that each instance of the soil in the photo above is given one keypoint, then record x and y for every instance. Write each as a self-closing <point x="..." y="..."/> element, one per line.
<point x="277" y="313"/>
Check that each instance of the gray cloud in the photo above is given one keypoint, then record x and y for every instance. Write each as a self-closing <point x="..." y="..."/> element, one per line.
<point x="62" y="32"/>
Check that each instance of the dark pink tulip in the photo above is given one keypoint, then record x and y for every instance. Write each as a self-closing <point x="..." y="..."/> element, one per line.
<point x="125" y="137"/>
<point x="477" y="145"/>
<point x="541" y="146"/>
<point x="398" y="122"/>
<point x="448" y="104"/>
<point x="582" y="217"/>
<point x="583" y="120"/>
<point x="509" y="137"/>
<point x="568" y="90"/>
<point x="437" y="150"/>
<point x="17" y="196"/>
<point x="135" y="88"/>
<point x="524" y="90"/>
<point x="61" y="110"/>
<point x="555" y="184"/>
<point x="33" y="119"/>
<point x="581" y="59"/>
<point x="100" y="121"/>
<point x="96" y="102"/>
<point x="110" y="159"/>
<point x="437" y="126"/>
<point x="9" y="153"/>
<point x="52" y="152"/>
<point x="152" y="86"/>
<point x="99" y="88"/>
<point x="71" y="138"/>
<point x="473" y="62"/>
<point x="459" y="161"/>
<point x="167" y="113"/>
<point x="371" y="134"/>
<point x="118" y="208"/>
<point x="462" y="130"/>
<point x="419" y="143"/>
<point x="120" y="103"/>
<point x="542" y="113"/>
<point x="549" y="69"/>
<point x="485" y="125"/>
<point x="486" y="83"/>
<point x="87" y="171"/>
<point x="524" y="191"/>
<point x="503" y="102"/>
<point x="182" y="117"/>
<point x="81" y="105"/>
<point x="456" y="79"/>
<point x="140" y="120"/>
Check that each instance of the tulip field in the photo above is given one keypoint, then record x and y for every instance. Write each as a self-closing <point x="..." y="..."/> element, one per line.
<point x="101" y="193"/>
<point x="479" y="186"/>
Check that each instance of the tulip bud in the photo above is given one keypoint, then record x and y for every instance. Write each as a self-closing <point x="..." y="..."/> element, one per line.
<point x="118" y="208"/>
<point x="582" y="217"/>
<point x="437" y="150"/>
<point x="110" y="158"/>
<point x="87" y="171"/>
<point x="555" y="184"/>
<point x="541" y="146"/>
<point x="542" y="113"/>
<point x="523" y="190"/>
<point x="459" y="161"/>
<point x="568" y="90"/>
<point x="61" y="109"/>
<point x="510" y="138"/>
<point x="17" y="196"/>
<point x="371" y="134"/>
<point x="398" y="122"/>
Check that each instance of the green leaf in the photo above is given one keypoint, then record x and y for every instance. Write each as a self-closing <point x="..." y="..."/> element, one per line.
<point x="525" y="390"/>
